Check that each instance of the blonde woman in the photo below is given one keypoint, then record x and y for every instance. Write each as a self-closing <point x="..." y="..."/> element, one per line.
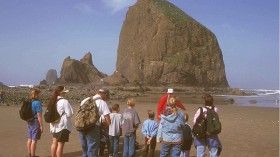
<point x="170" y="131"/>
<point x="35" y="127"/>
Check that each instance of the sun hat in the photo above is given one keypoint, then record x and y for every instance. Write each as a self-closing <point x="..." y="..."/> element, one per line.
<point x="64" y="90"/>
<point x="170" y="90"/>
<point x="105" y="90"/>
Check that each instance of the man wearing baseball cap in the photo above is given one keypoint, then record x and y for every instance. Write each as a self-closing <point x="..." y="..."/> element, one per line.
<point x="163" y="102"/>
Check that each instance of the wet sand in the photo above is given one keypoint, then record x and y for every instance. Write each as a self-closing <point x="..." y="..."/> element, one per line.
<point x="246" y="131"/>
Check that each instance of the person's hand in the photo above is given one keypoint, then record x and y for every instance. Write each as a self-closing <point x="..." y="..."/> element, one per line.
<point x="41" y="128"/>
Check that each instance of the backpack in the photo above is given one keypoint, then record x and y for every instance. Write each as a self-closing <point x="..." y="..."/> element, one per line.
<point x="200" y="126"/>
<point x="87" y="115"/>
<point x="25" y="111"/>
<point x="214" y="125"/>
<point x="51" y="115"/>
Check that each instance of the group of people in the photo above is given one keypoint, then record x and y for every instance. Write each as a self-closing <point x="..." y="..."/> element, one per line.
<point x="171" y="129"/>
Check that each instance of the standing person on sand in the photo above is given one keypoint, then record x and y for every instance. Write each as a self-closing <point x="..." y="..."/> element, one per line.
<point x="212" y="141"/>
<point x="61" y="129"/>
<point x="170" y="130"/>
<point x="163" y="102"/>
<point x="2" y="94"/>
<point x="35" y="127"/>
<point x="90" y="139"/>
<point x="130" y="124"/>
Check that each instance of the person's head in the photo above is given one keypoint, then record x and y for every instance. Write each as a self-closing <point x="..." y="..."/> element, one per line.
<point x="172" y="101"/>
<point x="116" y="108"/>
<point x="186" y="117"/>
<point x="170" y="91"/>
<point x="60" y="91"/>
<point x="104" y="93"/>
<point x="151" y="114"/>
<point x="131" y="102"/>
<point x="208" y="100"/>
<point x="35" y="93"/>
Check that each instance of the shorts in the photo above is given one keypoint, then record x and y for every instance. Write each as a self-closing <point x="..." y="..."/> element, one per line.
<point x="34" y="131"/>
<point x="62" y="136"/>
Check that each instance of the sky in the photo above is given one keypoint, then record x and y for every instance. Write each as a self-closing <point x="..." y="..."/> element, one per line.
<point x="37" y="35"/>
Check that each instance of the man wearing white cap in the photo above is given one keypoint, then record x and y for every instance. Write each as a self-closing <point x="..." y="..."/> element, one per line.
<point x="163" y="101"/>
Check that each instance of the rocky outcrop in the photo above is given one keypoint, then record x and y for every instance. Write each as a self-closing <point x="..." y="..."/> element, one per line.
<point x="160" y="44"/>
<point x="117" y="79"/>
<point x="51" y="76"/>
<point x="83" y="71"/>
<point x="2" y="85"/>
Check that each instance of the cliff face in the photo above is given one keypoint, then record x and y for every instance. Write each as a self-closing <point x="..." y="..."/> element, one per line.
<point x="83" y="71"/>
<point x="160" y="44"/>
<point x="51" y="76"/>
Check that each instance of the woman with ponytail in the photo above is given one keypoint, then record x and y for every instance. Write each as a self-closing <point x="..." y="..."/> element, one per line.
<point x="61" y="129"/>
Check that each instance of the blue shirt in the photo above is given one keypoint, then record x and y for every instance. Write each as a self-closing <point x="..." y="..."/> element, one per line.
<point x="149" y="128"/>
<point x="36" y="107"/>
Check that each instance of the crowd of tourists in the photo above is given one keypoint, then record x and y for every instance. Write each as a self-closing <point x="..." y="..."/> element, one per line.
<point x="168" y="127"/>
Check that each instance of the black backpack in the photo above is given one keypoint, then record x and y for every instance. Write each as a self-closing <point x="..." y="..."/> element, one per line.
<point x="200" y="126"/>
<point x="51" y="115"/>
<point x="214" y="125"/>
<point x="25" y="111"/>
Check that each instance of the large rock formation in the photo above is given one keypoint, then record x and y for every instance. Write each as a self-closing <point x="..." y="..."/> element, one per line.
<point x="83" y="71"/>
<point x="160" y="44"/>
<point x="116" y="79"/>
<point x="51" y="76"/>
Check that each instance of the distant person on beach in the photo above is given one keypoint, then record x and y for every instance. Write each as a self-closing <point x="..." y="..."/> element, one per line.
<point x="211" y="140"/>
<point x="2" y="96"/>
<point x="130" y="124"/>
<point x="149" y="130"/>
<point x="162" y="104"/>
<point x="90" y="138"/>
<point x="115" y="130"/>
<point x="170" y="130"/>
<point x="188" y="138"/>
<point x="63" y="128"/>
<point x="35" y="127"/>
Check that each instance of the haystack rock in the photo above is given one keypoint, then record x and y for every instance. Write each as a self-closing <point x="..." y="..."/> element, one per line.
<point x="83" y="71"/>
<point x="51" y="76"/>
<point x="160" y="44"/>
<point x="116" y="79"/>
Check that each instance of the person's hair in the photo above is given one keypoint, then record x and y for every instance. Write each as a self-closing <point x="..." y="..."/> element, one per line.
<point x="115" y="107"/>
<point x="130" y="102"/>
<point x="56" y="93"/>
<point x="35" y="93"/>
<point x="172" y="101"/>
<point x="186" y="117"/>
<point x="208" y="99"/>
<point x="151" y="114"/>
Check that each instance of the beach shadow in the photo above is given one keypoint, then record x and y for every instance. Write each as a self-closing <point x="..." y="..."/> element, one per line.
<point x="72" y="154"/>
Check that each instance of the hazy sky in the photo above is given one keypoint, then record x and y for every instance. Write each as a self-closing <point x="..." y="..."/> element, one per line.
<point x="37" y="35"/>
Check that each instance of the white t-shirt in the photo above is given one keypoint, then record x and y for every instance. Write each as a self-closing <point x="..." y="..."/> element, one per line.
<point x="101" y="105"/>
<point x="115" y="126"/>
<point x="63" y="107"/>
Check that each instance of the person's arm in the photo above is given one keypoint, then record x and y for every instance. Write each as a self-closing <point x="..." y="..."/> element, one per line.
<point x="180" y="105"/>
<point x="143" y="130"/>
<point x="68" y="109"/>
<point x="154" y="131"/>
<point x="196" y="115"/>
<point x="107" y="119"/>
<point x="39" y="115"/>
<point x="161" y="105"/>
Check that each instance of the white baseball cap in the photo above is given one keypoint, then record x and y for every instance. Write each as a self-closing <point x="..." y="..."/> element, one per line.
<point x="170" y="90"/>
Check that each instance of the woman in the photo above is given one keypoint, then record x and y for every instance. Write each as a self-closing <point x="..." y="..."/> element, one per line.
<point x="63" y="127"/>
<point x="170" y="131"/>
<point x="212" y="141"/>
<point x="35" y="127"/>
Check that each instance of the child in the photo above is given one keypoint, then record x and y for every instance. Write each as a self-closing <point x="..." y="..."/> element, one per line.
<point x="114" y="131"/>
<point x="149" y="130"/>
<point x="35" y="127"/>
<point x="130" y="123"/>
<point x="187" y="142"/>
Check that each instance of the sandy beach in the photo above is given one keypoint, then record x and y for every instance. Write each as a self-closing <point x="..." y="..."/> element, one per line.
<point x="246" y="131"/>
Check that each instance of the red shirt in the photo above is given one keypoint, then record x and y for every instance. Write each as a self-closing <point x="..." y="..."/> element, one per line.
<point x="162" y="105"/>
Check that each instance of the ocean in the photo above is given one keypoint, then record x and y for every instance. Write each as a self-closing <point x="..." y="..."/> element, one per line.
<point x="260" y="98"/>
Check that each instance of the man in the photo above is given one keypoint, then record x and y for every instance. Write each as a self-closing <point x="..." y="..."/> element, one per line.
<point x="163" y="102"/>
<point x="90" y="139"/>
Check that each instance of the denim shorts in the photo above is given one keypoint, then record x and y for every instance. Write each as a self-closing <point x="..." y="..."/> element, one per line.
<point x="62" y="136"/>
<point x="34" y="131"/>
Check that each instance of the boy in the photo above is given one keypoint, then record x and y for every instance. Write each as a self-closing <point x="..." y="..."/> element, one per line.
<point x="149" y="130"/>
<point x="114" y="131"/>
<point x="130" y="123"/>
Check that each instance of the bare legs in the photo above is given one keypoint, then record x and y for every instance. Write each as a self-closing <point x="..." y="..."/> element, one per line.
<point x="31" y="146"/>
<point x="57" y="148"/>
